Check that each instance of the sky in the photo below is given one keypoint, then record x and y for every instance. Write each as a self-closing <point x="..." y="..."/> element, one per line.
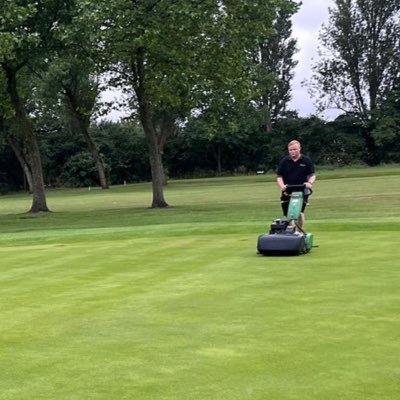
<point x="307" y="24"/>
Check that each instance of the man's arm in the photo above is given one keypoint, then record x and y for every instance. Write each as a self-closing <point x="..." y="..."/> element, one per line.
<point x="311" y="177"/>
<point x="281" y="183"/>
<point x="310" y="181"/>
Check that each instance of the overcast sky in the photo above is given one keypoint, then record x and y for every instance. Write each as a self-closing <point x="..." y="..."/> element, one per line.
<point x="307" y="23"/>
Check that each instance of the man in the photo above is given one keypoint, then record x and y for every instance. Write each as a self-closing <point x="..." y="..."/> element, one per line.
<point x="295" y="169"/>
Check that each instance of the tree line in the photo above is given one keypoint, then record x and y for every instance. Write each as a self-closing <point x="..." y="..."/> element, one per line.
<point x="191" y="153"/>
<point x="207" y="84"/>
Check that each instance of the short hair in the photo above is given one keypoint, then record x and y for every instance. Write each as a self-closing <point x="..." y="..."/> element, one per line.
<point x="291" y="143"/>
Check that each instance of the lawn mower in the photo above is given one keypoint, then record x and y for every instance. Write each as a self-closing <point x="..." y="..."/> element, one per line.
<point x="286" y="237"/>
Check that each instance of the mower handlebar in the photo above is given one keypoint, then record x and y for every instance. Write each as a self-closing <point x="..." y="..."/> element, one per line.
<point x="295" y="188"/>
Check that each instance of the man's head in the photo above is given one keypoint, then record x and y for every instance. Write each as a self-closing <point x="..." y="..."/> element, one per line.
<point x="294" y="149"/>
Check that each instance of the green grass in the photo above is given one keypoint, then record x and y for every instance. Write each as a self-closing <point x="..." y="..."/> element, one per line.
<point x="105" y="298"/>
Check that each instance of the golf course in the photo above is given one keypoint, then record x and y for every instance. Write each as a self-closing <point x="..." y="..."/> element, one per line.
<point x="107" y="298"/>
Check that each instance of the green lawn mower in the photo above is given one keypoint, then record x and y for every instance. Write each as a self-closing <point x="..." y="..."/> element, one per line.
<point x="286" y="237"/>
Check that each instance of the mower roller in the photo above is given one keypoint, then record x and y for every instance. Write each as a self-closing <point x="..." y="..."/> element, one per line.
<point x="285" y="236"/>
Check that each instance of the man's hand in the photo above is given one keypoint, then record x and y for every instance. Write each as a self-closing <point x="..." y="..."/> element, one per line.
<point x="308" y="185"/>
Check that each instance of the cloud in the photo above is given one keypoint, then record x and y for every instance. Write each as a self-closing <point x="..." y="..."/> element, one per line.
<point x="307" y="23"/>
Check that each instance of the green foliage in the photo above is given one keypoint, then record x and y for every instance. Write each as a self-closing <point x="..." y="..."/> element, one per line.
<point x="274" y="67"/>
<point x="124" y="149"/>
<point x="79" y="171"/>
<point x="387" y="131"/>
<point x="58" y="148"/>
<point x="205" y="51"/>
<point x="11" y="177"/>
<point x="14" y="33"/>
<point x="334" y="143"/>
<point x="221" y="140"/>
<point x="205" y="146"/>
<point x="27" y="28"/>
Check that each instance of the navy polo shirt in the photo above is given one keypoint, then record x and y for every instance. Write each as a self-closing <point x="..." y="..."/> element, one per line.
<point x="295" y="172"/>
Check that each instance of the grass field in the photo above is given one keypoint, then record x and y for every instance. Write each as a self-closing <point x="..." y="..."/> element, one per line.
<point x="105" y="298"/>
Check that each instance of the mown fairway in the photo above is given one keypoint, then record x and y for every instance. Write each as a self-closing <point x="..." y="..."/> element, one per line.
<point x="107" y="299"/>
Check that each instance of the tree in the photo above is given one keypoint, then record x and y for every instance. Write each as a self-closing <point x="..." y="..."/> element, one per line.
<point x="124" y="147"/>
<point x="29" y="32"/>
<point x="275" y="67"/>
<point x="171" y="56"/>
<point x="361" y="63"/>
<point x="222" y="138"/>
<point x="72" y="82"/>
<point x="387" y="131"/>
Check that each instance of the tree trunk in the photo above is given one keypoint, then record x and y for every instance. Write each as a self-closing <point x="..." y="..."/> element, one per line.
<point x="157" y="169"/>
<point x="81" y="123"/>
<point x="96" y="158"/>
<point x="38" y="191"/>
<point x="372" y="158"/>
<point x="158" y="179"/>
<point x="155" y="140"/>
<point x="30" y="145"/>
<point x="218" y="155"/>
<point x="155" y="145"/>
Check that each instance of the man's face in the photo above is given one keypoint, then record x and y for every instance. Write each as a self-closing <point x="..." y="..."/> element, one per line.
<point x="294" y="151"/>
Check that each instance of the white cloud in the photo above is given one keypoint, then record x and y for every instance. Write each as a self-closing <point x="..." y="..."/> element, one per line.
<point x="307" y="23"/>
<point x="118" y="110"/>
